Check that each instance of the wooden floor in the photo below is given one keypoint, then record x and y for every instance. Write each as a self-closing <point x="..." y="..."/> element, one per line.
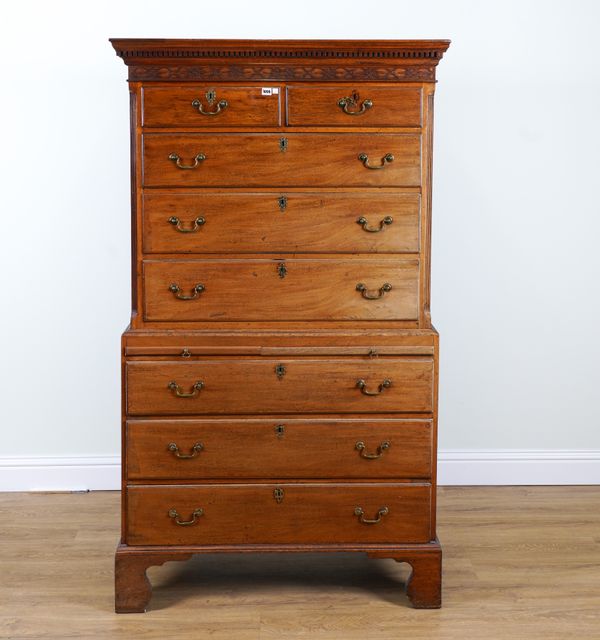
<point x="520" y="563"/>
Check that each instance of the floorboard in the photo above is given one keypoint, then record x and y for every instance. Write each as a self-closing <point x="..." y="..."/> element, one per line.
<point x="519" y="563"/>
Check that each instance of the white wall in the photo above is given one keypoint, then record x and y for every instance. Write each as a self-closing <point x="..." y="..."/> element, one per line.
<point x="516" y="214"/>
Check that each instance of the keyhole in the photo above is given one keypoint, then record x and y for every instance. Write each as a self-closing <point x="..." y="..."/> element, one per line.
<point x="280" y="371"/>
<point x="280" y="430"/>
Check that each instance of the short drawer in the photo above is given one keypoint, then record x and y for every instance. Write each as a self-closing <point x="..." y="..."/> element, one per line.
<point x="211" y="106"/>
<point x="351" y="105"/>
<point x="287" y="222"/>
<point x="278" y="448"/>
<point x="278" y="513"/>
<point x="281" y="289"/>
<point x="269" y="159"/>
<point x="290" y="385"/>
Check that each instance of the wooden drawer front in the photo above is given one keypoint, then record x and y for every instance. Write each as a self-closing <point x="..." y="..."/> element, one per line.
<point x="284" y="448"/>
<point x="264" y="222"/>
<point x="259" y="160"/>
<point x="290" y="289"/>
<point x="365" y="106"/>
<point x="245" y="107"/>
<point x="252" y="385"/>
<point x="250" y="514"/>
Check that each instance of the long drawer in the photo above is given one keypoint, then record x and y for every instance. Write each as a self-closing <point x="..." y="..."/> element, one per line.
<point x="282" y="448"/>
<point x="369" y="288"/>
<point x="270" y="159"/>
<point x="197" y="222"/>
<point x="292" y="385"/>
<point x="278" y="513"/>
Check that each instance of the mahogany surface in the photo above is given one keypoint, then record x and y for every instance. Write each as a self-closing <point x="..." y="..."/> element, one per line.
<point x="280" y="222"/>
<point x="257" y="160"/>
<point x="308" y="513"/>
<point x="318" y="106"/>
<point x="230" y="448"/>
<point x="281" y="231"/>
<point x="309" y="385"/>
<point x="287" y="287"/>
<point x="170" y="107"/>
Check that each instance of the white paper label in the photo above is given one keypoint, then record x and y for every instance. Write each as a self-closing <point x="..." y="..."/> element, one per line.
<point x="270" y="91"/>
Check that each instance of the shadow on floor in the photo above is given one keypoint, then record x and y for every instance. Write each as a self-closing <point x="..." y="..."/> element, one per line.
<point x="252" y="577"/>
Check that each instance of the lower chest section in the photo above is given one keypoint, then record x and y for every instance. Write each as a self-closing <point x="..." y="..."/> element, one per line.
<point x="260" y="439"/>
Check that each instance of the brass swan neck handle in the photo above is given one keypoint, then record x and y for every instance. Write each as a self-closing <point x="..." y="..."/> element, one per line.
<point x="198" y="158"/>
<point x="220" y="106"/>
<point x="387" y="158"/>
<point x="198" y="386"/>
<point x="176" y="222"/>
<point x="385" y="222"/>
<point x="196" y="291"/>
<point x="358" y="511"/>
<point x="362" y="447"/>
<point x="196" y="449"/>
<point x="186" y="523"/>
<point x="352" y="101"/>
<point x="362" y="288"/>
<point x="362" y="385"/>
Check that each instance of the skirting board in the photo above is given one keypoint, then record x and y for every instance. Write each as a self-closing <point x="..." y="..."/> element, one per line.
<point x="456" y="467"/>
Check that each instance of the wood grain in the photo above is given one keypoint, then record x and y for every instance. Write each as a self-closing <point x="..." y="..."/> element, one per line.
<point x="369" y="342"/>
<point x="276" y="60"/>
<point x="308" y="288"/>
<point x="279" y="291"/>
<point x="250" y="385"/>
<point x="246" y="106"/>
<point x="302" y="448"/>
<point x="318" y="105"/>
<point x="309" y="513"/>
<point x="132" y="587"/>
<point x="255" y="160"/>
<point x="255" y="222"/>
<point x="187" y="51"/>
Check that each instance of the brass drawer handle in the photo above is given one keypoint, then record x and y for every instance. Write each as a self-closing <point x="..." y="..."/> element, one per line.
<point x="176" y="222"/>
<point x="358" y="511"/>
<point x="177" y="160"/>
<point x="196" y="449"/>
<point x="362" y="385"/>
<point x="364" y="158"/>
<point x="198" y="386"/>
<point x="176" y="291"/>
<point x="221" y="105"/>
<point x="364" y="223"/>
<point x="362" y="447"/>
<point x="186" y="523"/>
<point x="372" y="296"/>
<point x="352" y="101"/>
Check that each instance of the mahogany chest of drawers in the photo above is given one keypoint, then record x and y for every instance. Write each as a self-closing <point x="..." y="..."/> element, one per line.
<point x="280" y="368"/>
